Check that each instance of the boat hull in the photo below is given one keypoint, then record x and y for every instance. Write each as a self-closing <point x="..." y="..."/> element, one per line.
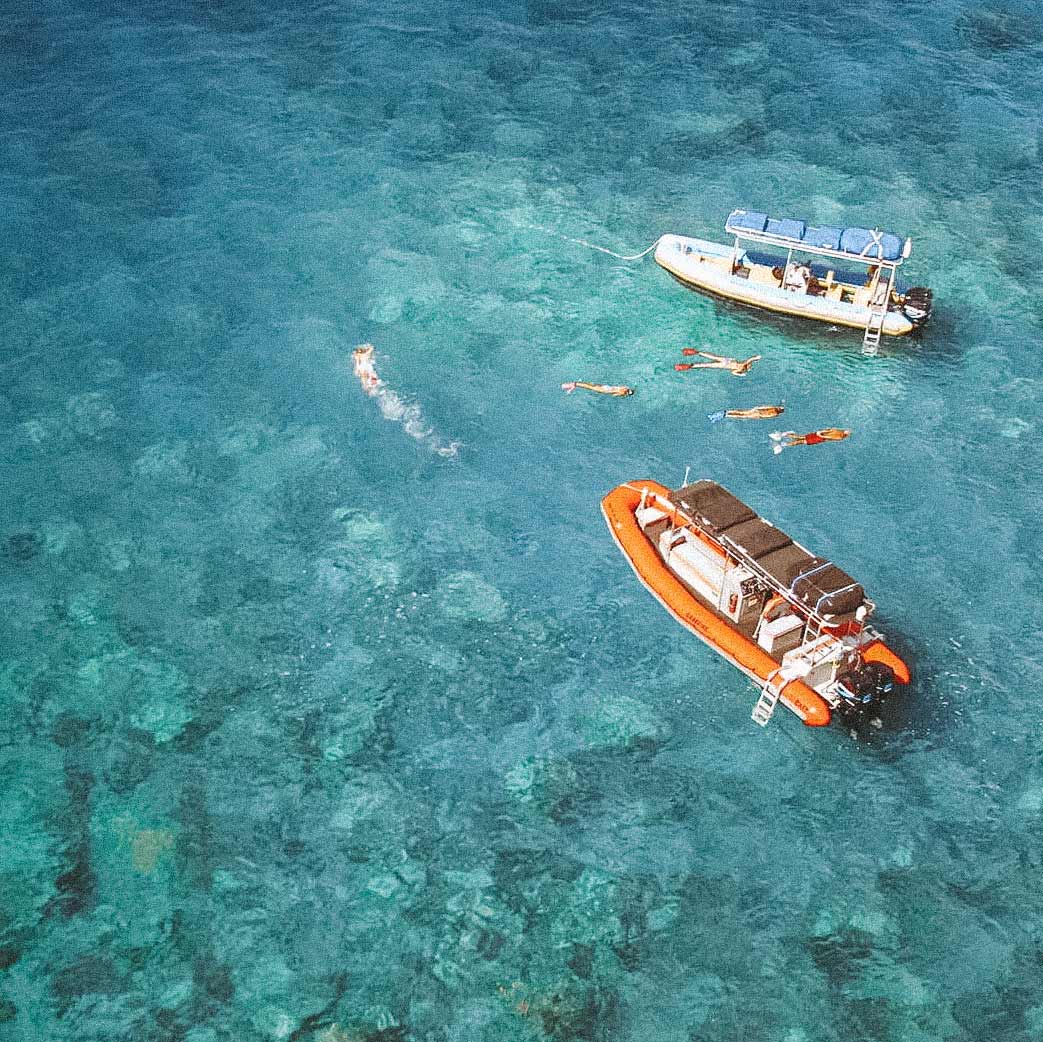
<point x="696" y="264"/>
<point x="619" y="508"/>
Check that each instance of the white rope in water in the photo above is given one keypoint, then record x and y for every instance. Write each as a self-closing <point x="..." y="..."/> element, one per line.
<point x="600" y="249"/>
<point x="612" y="253"/>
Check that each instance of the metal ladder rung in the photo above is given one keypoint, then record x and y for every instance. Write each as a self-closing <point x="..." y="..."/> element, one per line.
<point x="770" y="694"/>
<point x="765" y="708"/>
<point x="874" y="328"/>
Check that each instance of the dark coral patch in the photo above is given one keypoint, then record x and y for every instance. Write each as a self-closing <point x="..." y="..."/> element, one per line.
<point x="22" y="546"/>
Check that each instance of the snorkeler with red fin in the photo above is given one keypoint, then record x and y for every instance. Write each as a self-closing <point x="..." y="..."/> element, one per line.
<point x="737" y="367"/>
<point x="787" y="439"/>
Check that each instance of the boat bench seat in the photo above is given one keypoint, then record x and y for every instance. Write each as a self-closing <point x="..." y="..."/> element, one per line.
<point x="654" y="530"/>
<point x="763" y="275"/>
<point x="756" y="538"/>
<point x="713" y="508"/>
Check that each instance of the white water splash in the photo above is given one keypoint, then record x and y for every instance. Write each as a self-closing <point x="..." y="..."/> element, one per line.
<point x="393" y="407"/>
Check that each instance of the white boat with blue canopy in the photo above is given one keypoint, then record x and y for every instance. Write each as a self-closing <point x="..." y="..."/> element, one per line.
<point x="844" y="276"/>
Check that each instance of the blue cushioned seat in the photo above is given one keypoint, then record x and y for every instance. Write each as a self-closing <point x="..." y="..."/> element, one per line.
<point x="865" y="243"/>
<point x="747" y="220"/>
<point x="824" y="236"/>
<point x="787" y="227"/>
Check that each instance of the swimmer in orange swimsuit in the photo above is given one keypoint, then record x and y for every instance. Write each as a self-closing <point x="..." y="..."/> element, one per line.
<point x="733" y="365"/>
<point x="787" y="439"/>
<point x="758" y="412"/>
<point x="614" y="390"/>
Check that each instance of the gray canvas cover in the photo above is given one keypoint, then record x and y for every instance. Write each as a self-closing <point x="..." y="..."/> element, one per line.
<point x="713" y="508"/>
<point x="756" y="538"/>
<point x="827" y="589"/>
<point x="785" y="564"/>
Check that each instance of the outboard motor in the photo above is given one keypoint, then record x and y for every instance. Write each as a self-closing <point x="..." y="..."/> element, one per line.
<point x="864" y="687"/>
<point x="917" y="305"/>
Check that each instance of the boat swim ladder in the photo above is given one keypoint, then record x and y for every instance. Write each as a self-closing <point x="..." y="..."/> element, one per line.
<point x="773" y="688"/>
<point x="874" y="328"/>
<point x="877" y="312"/>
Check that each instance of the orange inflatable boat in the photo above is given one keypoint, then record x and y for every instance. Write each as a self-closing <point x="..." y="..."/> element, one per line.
<point x="794" y="623"/>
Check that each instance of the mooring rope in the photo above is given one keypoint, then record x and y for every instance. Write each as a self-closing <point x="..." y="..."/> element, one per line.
<point x="612" y="253"/>
<point x="594" y="246"/>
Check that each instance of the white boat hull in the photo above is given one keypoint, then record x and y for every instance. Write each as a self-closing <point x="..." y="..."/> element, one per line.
<point x="706" y="265"/>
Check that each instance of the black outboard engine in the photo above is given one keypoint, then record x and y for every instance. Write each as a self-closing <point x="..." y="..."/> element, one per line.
<point x="917" y="305"/>
<point x="862" y="688"/>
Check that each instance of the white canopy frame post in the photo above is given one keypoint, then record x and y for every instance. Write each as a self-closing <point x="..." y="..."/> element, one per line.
<point x="891" y="275"/>
<point x="878" y="306"/>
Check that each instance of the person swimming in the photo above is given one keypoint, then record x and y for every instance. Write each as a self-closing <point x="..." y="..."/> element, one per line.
<point x="365" y="370"/>
<point x="758" y="412"/>
<point x="395" y="408"/>
<point x="617" y="391"/>
<point x="735" y="366"/>
<point x="787" y="439"/>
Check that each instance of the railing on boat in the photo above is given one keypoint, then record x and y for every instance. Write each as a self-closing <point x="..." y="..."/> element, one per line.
<point x="881" y="251"/>
<point x="812" y="615"/>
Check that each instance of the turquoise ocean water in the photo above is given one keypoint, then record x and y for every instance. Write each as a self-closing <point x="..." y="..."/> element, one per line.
<point x="324" y="725"/>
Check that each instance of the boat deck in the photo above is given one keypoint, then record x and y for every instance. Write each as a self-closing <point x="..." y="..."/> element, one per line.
<point x="830" y="287"/>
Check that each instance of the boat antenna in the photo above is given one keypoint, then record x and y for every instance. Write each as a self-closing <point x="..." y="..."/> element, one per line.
<point x="687" y="470"/>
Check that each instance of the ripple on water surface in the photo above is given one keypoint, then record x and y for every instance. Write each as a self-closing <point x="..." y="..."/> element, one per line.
<point x="319" y="732"/>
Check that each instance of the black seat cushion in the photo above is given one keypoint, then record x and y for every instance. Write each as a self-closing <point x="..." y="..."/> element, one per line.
<point x="711" y="507"/>
<point x="786" y="563"/>
<point x="757" y="537"/>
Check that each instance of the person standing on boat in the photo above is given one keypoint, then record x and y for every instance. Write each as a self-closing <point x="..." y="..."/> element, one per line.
<point x="798" y="279"/>
<point x="733" y="365"/>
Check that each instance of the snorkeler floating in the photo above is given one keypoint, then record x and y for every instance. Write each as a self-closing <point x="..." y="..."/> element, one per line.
<point x="735" y="366"/>
<point x="758" y="412"/>
<point x="787" y="439"/>
<point x="616" y="391"/>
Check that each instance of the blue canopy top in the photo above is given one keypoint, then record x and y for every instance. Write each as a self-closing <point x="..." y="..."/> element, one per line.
<point x="858" y="242"/>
